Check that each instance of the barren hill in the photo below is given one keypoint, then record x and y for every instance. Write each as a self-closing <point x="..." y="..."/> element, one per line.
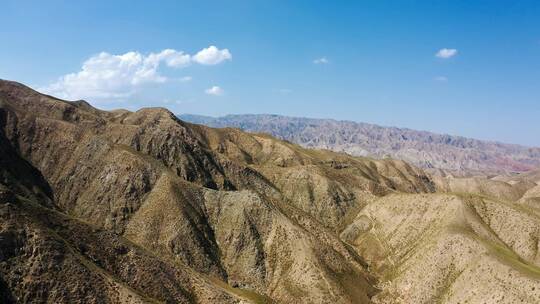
<point x="428" y="150"/>
<point x="141" y="207"/>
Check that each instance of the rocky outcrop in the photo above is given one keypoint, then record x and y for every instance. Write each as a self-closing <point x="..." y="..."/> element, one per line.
<point x="215" y="205"/>
<point x="140" y="207"/>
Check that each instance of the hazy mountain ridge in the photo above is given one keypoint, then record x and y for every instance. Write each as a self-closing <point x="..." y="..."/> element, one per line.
<point x="429" y="150"/>
<point x="141" y="207"/>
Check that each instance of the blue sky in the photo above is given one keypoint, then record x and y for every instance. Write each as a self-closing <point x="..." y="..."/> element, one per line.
<point x="380" y="59"/>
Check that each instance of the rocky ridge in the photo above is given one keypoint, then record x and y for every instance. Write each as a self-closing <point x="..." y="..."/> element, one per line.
<point x="141" y="207"/>
<point x="444" y="154"/>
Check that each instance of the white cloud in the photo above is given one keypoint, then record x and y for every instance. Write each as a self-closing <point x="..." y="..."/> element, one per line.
<point x="107" y="76"/>
<point x="321" y="60"/>
<point x="215" y="90"/>
<point x="173" y="58"/>
<point x="212" y="55"/>
<point x="441" y="78"/>
<point x="446" y="53"/>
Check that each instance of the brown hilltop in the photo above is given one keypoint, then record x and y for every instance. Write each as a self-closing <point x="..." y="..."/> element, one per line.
<point x="141" y="207"/>
<point x="165" y="186"/>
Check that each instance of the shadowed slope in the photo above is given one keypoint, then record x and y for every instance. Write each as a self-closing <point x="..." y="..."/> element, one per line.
<point x="151" y="208"/>
<point x="163" y="184"/>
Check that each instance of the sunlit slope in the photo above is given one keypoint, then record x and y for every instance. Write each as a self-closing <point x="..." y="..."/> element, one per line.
<point x="246" y="211"/>
<point x="439" y="248"/>
<point x="149" y="208"/>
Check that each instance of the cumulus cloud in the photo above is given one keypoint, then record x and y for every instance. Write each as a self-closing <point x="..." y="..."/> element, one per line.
<point x="446" y="53"/>
<point x="321" y="60"/>
<point x="173" y="58"/>
<point x="109" y="76"/>
<point x="212" y="55"/>
<point x="215" y="90"/>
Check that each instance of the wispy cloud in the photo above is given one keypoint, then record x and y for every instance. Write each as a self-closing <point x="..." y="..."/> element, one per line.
<point x="322" y="60"/>
<point x="441" y="79"/>
<point x="177" y="101"/>
<point x="215" y="90"/>
<point x="446" y="53"/>
<point x="107" y="76"/>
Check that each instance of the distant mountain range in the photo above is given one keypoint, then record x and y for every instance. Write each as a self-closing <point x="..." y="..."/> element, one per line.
<point x="455" y="154"/>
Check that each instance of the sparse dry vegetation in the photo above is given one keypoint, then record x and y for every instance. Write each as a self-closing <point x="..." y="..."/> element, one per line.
<point x="140" y="207"/>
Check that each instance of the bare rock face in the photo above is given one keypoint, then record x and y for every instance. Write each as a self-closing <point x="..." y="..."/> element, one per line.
<point x="214" y="208"/>
<point x="48" y="257"/>
<point x="436" y="152"/>
<point x="140" y="207"/>
<point x="449" y="249"/>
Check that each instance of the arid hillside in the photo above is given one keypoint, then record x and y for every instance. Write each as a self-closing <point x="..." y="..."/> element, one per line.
<point x="141" y="207"/>
<point x="451" y="154"/>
